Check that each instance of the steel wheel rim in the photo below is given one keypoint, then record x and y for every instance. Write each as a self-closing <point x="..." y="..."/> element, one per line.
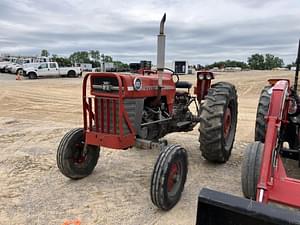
<point x="174" y="178"/>
<point x="78" y="157"/>
<point x="227" y="123"/>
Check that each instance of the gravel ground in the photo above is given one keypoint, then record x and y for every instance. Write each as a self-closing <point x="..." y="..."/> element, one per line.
<point x="35" y="114"/>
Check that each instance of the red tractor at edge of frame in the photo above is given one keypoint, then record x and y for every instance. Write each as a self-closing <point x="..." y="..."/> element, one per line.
<point x="265" y="177"/>
<point x="122" y="110"/>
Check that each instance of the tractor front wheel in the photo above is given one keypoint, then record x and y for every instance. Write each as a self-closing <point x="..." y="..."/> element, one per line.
<point x="218" y="119"/>
<point x="75" y="159"/>
<point x="169" y="176"/>
<point x="251" y="169"/>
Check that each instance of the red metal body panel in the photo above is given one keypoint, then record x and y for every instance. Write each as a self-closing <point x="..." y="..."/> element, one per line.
<point x="98" y="134"/>
<point x="274" y="184"/>
<point x="203" y="85"/>
<point x="284" y="190"/>
<point x="104" y="114"/>
<point x="149" y="86"/>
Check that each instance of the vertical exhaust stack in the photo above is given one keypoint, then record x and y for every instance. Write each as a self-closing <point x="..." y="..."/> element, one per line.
<point x="297" y="69"/>
<point x="161" y="40"/>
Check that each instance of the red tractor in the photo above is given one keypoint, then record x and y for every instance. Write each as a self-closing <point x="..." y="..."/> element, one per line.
<point x="264" y="177"/>
<point x="122" y="110"/>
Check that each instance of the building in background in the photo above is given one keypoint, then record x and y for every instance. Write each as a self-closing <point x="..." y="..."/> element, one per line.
<point x="180" y="67"/>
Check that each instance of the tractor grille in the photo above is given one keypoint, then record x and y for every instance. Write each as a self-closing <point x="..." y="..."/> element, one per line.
<point x="107" y="115"/>
<point x="104" y="114"/>
<point x="100" y="80"/>
<point x="131" y="107"/>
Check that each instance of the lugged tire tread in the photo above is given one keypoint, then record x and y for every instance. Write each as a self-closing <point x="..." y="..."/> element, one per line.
<point x="262" y="111"/>
<point x="211" y="121"/>
<point x="65" y="167"/>
<point x="251" y="169"/>
<point x="158" y="178"/>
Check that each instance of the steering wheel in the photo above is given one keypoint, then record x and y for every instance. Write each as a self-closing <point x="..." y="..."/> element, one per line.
<point x="173" y="75"/>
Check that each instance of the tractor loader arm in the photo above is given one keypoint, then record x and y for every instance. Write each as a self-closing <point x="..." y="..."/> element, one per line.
<point x="276" y="116"/>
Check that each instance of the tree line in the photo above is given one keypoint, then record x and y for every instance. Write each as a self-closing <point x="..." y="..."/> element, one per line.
<point x="92" y="57"/>
<point x="255" y="61"/>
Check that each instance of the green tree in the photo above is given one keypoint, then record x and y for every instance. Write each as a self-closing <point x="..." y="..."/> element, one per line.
<point x="279" y="62"/>
<point x="45" y="53"/>
<point x="108" y="58"/>
<point x="95" y="58"/>
<point x="95" y="64"/>
<point x="92" y="56"/>
<point x="61" y="61"/>
<point x="256" y="62"/>
<point x="95" y="55"/>
<point x="120" y="66"/>
<point x="228" y="63"/>
<point x="272" y="61"/>
<point x="80" y="57"/>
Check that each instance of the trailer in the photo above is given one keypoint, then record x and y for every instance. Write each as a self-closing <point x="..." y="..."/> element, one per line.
<point x="180" y="67"/>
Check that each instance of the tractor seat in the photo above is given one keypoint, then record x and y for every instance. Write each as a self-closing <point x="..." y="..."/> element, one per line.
<point x="183" y="84"/>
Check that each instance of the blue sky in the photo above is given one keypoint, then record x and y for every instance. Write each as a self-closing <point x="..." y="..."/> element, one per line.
<point x="200" y="31"/>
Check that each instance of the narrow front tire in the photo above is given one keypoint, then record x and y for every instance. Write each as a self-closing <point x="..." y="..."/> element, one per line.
<point x="75" y="159"/>
<point x="251" y="169"/>
<point x="169" y="176"/>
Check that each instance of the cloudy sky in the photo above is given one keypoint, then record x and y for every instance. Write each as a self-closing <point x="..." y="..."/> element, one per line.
<point x="200" y="31"/>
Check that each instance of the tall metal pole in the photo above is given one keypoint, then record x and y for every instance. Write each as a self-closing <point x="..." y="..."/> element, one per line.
<point x="297" y="68"/>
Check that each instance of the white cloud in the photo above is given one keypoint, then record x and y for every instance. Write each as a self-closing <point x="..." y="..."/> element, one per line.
<point x="200" y="31"/>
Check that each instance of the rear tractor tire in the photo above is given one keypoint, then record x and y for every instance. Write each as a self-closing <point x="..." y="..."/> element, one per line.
<point x="169" y="176"/>
<point x="218" y="120"/>
<point x="262" y="111"/>
<point x="251" y="169"/>
<point x="73" y="160"/>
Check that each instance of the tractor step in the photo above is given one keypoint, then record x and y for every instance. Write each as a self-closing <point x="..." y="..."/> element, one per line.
<point x="216" y="208"/>
<point x="147" y="144"/>
<point x="184" y="124"/>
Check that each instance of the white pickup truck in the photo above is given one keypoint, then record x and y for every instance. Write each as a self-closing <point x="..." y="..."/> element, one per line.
<point x="50" y="69"/>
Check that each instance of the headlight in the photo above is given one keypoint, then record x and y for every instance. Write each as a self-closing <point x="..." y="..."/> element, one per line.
<point x="200" y="76"/>
<point x="208" y="76"/>
<point x="137" y="84"/>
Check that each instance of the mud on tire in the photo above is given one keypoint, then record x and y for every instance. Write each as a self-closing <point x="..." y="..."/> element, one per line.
<point x="251" y="169"/>
<point x="262" y="111"/>
<point x="169" y="176"/>
<point x="70" y="158"/>
<point x="218" y="119"/>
